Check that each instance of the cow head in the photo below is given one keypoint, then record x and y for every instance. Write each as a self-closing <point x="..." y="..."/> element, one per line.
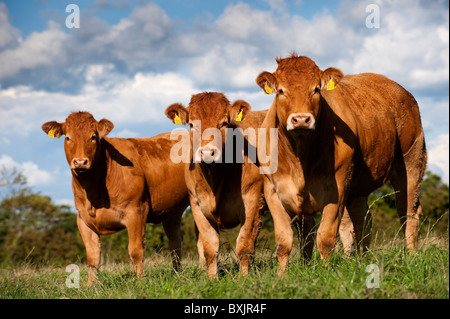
<point x="82" y="143"/>
<point x="298" y="84"/>
<point x="208" y="115"/>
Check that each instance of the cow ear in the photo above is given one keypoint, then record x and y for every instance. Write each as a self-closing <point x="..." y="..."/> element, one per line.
<point x="54" y="129"/>
<point x="177" y="113"/>
<point x="267" y="82"/>
<point x="330" y="78"/>
<point x="104" y="126"/>
<point x="239" y="110"/>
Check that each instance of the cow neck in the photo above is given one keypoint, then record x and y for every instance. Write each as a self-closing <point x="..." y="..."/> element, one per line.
<point x="214" y="174"/>
<point x="94" y="180"/>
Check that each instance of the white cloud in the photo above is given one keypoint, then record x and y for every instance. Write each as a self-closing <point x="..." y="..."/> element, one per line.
<point x="143" y="98"/>
<point x="131" y="71"/>
<point x="39" y="49"/>
<point x="65" y="201"/>
<point x="125" y="133"/>
<point x="438" y="156"/>
<point x="34" y="175"/>
<point x="9" y="36"/>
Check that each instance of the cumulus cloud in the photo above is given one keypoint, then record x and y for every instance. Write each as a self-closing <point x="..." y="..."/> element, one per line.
<point x="37" y="50"/>
<point x="9" y="36"/>
<point x="34" y="175"/>
<point x="140" y="99"/>
<point x="438" y="158"/>
<point x="230" y="51"/>
<point x="130" y="71"/>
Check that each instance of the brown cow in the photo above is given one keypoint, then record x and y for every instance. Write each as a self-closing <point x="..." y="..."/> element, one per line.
<point x="339" y="138"/>
<point x="121" y="183"/>
<point x="218" y="198"/>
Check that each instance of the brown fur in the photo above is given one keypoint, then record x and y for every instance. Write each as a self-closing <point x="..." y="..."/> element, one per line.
<point x="121" y="183"/>
<point x="367" y="131"/>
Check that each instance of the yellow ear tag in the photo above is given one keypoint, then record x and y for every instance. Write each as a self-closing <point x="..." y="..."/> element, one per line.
<point x="239" y="117"/>
<point x="267" y="89"/>
<point x="330" y="85"/>
<point x="51" y="133"/>
<point x="177" y="120"/>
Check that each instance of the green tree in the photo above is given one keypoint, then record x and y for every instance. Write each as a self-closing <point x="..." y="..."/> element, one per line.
<point x="434" y="198"/>
<point x="32" y="227"/>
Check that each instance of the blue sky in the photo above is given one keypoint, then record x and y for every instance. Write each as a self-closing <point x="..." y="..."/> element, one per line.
<point x="130" y="59"/>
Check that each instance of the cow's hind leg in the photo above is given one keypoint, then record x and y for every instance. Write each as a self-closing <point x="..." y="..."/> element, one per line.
<point x="406" y="179"/>
<point x="172" y="228"/>
<point x="346" y="233"/>
<point x="361" y="219"/>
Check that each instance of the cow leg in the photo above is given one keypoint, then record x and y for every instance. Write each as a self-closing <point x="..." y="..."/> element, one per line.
<point x="407" y="186"/>
<point x="284" y="236"/>
<point x="209" y="236"/>
<point x="246" y="241"/>
<point x="326" y="234"/>
<point x="356" y="224"/>
<point x="92" y="243"/>
<point x="201" y="252"/>
<point x="361" y="218"/>
<point x="136" y="240"/>
<point x="346" y="232"/>
<point x="172" y="228"/>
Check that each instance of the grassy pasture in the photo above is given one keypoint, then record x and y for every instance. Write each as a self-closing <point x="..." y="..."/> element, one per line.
<point x="399" y="275"/>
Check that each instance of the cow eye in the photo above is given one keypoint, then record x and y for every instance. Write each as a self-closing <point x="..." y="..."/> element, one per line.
<point x="224" y="124"/>
<point x="93" y="138"/>
<point x="191" y="125"/>
<point x="280" y="91"/>
<point x="67" y="138"/>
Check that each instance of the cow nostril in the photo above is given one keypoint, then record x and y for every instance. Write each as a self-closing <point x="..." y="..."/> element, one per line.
<point x="80" y="162"/>
<point x="307" y="120"/>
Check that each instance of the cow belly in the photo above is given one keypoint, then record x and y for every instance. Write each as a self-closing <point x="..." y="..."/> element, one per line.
<point x="371" y="173"/>
<point x="106" y="221"/>
<point x="230" y="211"/>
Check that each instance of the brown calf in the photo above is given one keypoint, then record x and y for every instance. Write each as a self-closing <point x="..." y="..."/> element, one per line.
<point x="222" y="195"/>
<point x="339" y="138"/>
<point x="121" y="183"/>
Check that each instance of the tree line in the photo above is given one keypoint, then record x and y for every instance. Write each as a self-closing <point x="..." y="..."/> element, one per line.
<point x="33" y="229"/>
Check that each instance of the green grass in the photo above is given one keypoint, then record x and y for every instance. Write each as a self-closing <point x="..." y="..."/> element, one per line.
<point x="421" y="275"/>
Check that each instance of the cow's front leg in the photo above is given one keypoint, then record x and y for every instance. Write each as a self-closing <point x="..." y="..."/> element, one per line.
<point x="284" y="236"/>
<point x="329" y="225"/>
<point x="136" y="239"/>
<point x="252" y="189"/>
<point x="208" y="233"/>
<point x="92" y="243"/>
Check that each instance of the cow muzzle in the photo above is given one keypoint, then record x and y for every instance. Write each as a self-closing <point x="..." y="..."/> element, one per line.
<point x="208" y="154"/>
<point x="301" y="122"/>
<point x="80" y="164"/>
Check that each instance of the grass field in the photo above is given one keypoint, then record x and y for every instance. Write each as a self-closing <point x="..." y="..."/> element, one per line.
<point x="398" y="274"/>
